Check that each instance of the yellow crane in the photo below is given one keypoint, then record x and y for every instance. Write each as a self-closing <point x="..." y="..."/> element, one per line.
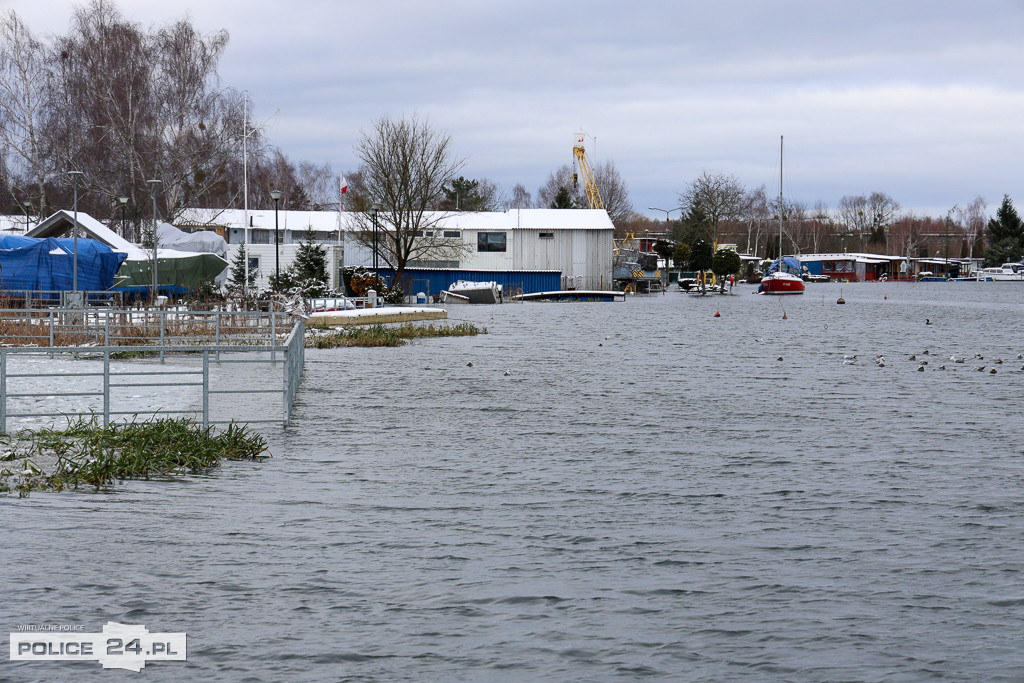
<point x="589" y="182"/>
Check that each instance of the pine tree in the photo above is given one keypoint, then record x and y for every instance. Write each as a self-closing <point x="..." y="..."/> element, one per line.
<point x="1005" y="235"/>
<point x="236" y="275"/>
<point x="308" y="272"/>
<point x="563" y="200"/>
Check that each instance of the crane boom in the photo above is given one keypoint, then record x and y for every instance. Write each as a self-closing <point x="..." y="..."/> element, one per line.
<point x="589" y="182"/>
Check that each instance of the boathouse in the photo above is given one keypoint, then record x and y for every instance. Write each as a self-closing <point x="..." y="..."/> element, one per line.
<point x="526" y="249"/>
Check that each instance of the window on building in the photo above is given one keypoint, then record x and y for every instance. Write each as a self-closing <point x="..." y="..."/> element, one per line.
<point x="547" y="235"/>
<point x="452" y="233"/>
<point x="490" y="241"/>
<point x="254" y="264"/>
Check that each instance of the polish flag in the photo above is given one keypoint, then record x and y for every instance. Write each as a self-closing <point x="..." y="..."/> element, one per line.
<point x="343" y="185"/>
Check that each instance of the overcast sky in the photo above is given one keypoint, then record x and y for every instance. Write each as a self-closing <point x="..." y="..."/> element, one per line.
<point x="923" y="100"/>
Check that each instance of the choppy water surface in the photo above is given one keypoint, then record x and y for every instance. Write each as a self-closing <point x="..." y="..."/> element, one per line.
<point x="650" y="491"/>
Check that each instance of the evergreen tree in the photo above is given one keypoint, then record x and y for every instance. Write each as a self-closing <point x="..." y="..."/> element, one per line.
<point x="563" y="200"/>
<point x="236" y="274"/>
<point x="701" y="258"/>
<point x="725" y="262"/>
<point x="1005" y="235"/>
<point x="462" y="194"/>
<point x="308" y="272"/>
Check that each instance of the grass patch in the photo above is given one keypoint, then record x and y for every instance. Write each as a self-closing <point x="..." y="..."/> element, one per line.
<point x="384" y="335"/>
<point x="88" y="454"/>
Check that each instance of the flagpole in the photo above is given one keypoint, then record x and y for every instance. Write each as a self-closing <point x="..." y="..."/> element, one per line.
<point x="245" y="192"/>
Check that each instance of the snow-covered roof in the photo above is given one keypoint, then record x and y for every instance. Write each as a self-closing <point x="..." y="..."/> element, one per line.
<point x="61" y="222"/>
<point x="328" y="221"/>
<point x="850" y="256"/>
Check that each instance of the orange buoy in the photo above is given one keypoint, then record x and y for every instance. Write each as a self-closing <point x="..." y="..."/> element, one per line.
<point x="717" y="314"/>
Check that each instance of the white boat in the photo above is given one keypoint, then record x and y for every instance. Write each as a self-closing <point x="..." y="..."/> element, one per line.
<point x="1008" y="272"/>
<point x="468" y="292"/>
<point x="331" y="303"/>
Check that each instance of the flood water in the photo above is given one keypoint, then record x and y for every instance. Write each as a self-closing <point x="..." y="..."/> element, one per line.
<point x="606" y="491"/>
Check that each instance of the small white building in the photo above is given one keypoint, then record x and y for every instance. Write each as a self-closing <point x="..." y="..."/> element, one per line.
<point x="576" y="242"/>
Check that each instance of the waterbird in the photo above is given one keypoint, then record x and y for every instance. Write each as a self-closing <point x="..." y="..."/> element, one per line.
<point x="979" y="356"/>
<point x="997" y="361"/>
<point x="992" y="371"/>
<point x="469" y="364"/>
<point x="927" y="321"/>
<point x="920" y="368"/>
<point x="912" y="357"/>
<point x="853" y="357"/>
<point x="925" y="352"/>
<point x="508" y="373"/>
<point x="978" y="368"/>
<point x="779" y="358"/>
<point x="941" y="367"/>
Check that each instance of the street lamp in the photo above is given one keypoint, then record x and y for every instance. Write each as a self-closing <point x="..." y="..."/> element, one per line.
<point x="124" y="216"/>
<point x="667" y="225"/>
<point x="276" y="196"/>
<point x="154" y="184"/>
<point x="28" y="207"/>
<point x="376" y="272"/>
<point x="75" y="177"/>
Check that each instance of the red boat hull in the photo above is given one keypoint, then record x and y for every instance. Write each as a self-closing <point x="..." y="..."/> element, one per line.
<point x="782" y="285"/>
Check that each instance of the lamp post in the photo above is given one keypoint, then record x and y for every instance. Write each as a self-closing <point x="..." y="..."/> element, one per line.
<point x="276" y="196"/>
<point x="124" y="216"/>
<point x="667" y="225"/>
<point x="154" y="184"/>
<point x="28" y="207"/>
<point x="75" y="177"/>
<point x="376" y="272"/>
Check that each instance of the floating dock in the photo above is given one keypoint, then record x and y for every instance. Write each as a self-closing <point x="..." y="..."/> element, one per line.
<point x="376" y="316"/>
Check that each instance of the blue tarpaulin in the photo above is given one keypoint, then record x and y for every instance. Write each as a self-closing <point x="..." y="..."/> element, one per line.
<point x="47" y="264"/>
<point x="790" y="265"/>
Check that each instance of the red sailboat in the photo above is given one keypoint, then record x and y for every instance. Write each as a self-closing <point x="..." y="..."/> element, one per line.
<point x="784" y="275"/>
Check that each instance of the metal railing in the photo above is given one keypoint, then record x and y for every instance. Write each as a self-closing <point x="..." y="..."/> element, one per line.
<point x="77" y="362"/>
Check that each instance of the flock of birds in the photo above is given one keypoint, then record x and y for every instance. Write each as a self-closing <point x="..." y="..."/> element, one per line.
<point x="926" y="356"/>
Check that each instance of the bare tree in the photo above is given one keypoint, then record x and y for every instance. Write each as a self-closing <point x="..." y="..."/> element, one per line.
<point x="972" y="220"/>
<point x="320" y="183"/>
<point x="559" y="180"/>
<point x="521" y="198"/>
<point x="882" y="209"/>
<point x="719" y="197"/>
<point x="24" y="77"/>
<point x="614" y="192"/>
<point x="821" y="229"/>
<point x="854" y="214"/>
<point x="756" y="213"/>
<point x="405" y="165"/>
<point x="613" y="189"/>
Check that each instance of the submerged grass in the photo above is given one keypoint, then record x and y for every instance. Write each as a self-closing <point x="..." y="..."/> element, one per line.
<point x="88" y="454"/>
<point x="385" y="335"/>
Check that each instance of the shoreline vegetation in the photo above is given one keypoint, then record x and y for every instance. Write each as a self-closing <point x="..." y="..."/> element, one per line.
<point x="88" y="454"/>
<point x="323" y="337"/>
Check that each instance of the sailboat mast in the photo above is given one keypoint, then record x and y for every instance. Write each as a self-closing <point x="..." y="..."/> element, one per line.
<point x="781" y="139"/>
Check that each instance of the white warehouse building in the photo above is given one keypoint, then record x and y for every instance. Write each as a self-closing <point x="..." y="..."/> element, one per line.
<point x="577" y="243"/>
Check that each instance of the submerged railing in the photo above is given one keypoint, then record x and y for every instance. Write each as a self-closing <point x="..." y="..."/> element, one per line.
<point x="77" y="362"/>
